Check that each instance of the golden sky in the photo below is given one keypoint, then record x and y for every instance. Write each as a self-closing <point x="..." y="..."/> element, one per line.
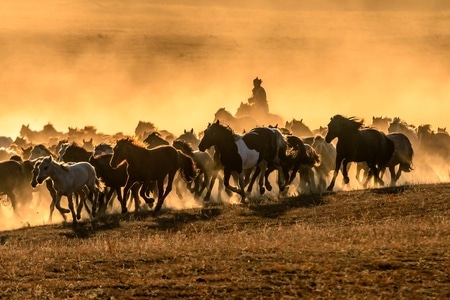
<point x="111" y="64"/>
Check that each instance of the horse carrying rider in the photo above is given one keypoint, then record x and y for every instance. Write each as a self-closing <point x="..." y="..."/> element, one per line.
<point x="258" y="101"/>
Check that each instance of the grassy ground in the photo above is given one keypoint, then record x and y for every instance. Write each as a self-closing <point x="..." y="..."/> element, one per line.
<point x="378" y="243"/>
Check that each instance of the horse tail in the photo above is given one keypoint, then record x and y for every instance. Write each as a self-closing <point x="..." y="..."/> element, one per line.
<point x="187" y="166"/>
<point x="407" y="164"/>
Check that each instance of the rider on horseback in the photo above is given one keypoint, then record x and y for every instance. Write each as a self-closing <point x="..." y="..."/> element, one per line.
<point x="258" y="101"/>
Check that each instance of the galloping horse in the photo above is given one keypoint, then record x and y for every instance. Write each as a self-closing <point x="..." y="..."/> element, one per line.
<point x="69" y="179"/>
<point x="149" y="165"/>
<point x="205" y="164"/>
<point x="259" y="147"/>
<point x="357" y="145"/>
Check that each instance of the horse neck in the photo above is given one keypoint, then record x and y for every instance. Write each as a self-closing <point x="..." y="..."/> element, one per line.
<point x="133" y="154"/>
<point x="226" y="145"/>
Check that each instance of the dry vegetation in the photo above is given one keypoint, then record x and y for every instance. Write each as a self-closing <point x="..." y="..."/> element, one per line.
<point x="377" y="243"/>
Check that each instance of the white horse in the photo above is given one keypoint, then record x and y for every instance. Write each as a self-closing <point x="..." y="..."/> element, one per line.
<point x="69" y="179"/>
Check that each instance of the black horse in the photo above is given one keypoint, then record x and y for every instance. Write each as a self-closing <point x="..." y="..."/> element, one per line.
<point x="114" y="180"/>
<point x="357" y="145"/>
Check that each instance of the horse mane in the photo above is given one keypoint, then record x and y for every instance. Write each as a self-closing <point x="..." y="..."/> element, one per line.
<point x="183" y="145"/>
<point x="133" y="141"/>
<point x="352" y="122"/>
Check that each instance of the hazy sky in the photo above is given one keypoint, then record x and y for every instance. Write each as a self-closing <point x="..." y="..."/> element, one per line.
<point x="111" y="64"/>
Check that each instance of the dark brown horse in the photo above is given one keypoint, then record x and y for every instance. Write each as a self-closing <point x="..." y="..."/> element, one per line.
<point x="358" y="145"/>
<point x="148" y="165"/>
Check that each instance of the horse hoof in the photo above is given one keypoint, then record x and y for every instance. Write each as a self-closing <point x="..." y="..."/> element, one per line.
<point x="262" y="190"/>
<point x="346" y="180"/>
<point x="150" y="202"/>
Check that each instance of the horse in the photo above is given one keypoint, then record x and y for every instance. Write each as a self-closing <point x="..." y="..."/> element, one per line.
<point x="357" y="145"/>
<point x="155" y="139"/>
<point x="205" y="164"/>
<point x="263" y="117"/>
<point x="398" y="125"/>
<point x="15" y="183"/>
<point x="43" y="136"/>
<point x="298" y="128"/>
<point x="40" y="150"/>
<point x="381" y="123"/>
<point x="434" y="143"/>
<point x="402" y="157"/>
<point x="189" y="137"/>
<point x="149" y="165"/>
<point x="327" y="154"/>
<point x="239" y="124"/>
<point x="73" y="153"/>
<point x="142" y="128"/>
<point x="260" y="147"/>
<point x="114" y="179"/>
<point x="102" y="149"/>
<point x="69" y="179"/>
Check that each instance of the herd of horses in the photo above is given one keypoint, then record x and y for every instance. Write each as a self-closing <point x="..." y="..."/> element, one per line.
<point x="91" y="169"/>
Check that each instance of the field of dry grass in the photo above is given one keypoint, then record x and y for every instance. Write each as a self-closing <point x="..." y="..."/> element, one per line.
<point x="378" y="243"/>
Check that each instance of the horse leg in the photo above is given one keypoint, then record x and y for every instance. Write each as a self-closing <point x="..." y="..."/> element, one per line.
<point x="72" y="210"/>
<point x="263" y="167"/>
<point x="256" y="172"/>
<point x="161" y="193"/>
<point x="226" y="182"/>
<point x="143" y="194"/>
<point x="212" y="180"/>
<point x="335" y="174"/>
<point x="126" y="189"/>
<point x="345" y="171"/>
<point x="135" y="196"/>
<point x="394" y="177"/>
<point x="81" y="195"/>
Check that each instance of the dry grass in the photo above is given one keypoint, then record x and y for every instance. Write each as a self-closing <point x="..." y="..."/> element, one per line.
<point x="380" y="243"/>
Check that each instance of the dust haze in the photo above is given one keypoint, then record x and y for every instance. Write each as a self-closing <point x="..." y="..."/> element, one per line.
<point x="111" y="64"/>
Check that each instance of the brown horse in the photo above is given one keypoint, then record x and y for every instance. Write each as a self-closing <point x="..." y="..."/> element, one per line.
<point x="149" y="165"/>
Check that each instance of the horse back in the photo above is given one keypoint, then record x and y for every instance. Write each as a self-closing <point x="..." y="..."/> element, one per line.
<point x="11" y="174"/>
<point x="376" y="145"/>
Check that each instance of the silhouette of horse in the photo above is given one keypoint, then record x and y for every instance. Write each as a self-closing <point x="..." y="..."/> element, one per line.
<point x="398" y="125"/>
<point x="357" y="145"/>
<point x="327" y="154"/>
<point x="39" y="150"/>
<point x="39" y="137"/>
<point x="190" y="137"/>
<point x="434" y="143"/>
<point x="69" y="179"/>
<point x="298" y="128"/>
<point x="155" y="139"/>
<point x="148" y="165"/>
<point x="15" y="183"/>
<point x="402" y="157"/>
<point x="205" y="165"/>
<point x="260" y="146"/>
<point x="238" y="124"/>
<point x="102" y="149"/>
<point x="143" y="128"/>
<point x="300" y="158"/>
<point x="73" y="153"/>
<point x="264" y="118"/>
<point x="381" y="123"/>
<point x="114" y="179"/>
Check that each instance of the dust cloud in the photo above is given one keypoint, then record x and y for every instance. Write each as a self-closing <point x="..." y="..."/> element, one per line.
<point x="111" y="64"/>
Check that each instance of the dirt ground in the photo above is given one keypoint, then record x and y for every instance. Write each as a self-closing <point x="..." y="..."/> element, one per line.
<point x="378" y="243"/>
